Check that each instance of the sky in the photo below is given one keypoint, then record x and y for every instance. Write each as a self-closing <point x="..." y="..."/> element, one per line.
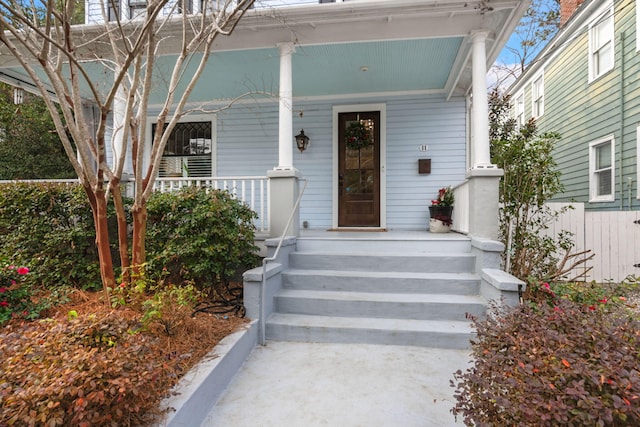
<point x="497" y="75"/>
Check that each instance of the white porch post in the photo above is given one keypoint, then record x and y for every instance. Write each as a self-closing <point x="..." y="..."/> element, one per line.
<point x="484" y="177"/>
<point x="480" y="112"/>
<point x="283" y="179"/>
<point x="285" y="130"/>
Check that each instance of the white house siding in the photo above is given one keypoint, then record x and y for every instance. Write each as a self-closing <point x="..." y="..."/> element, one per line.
<point x="439" y="124"/>
<point x="248" y="144"/>
<point x="93" y="13"/>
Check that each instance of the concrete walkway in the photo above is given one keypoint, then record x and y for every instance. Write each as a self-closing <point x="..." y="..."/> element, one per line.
<point x="291" y="384"/>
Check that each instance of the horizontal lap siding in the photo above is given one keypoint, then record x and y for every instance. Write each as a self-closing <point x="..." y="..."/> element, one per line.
<point x="247" y="144"/>
<point x="439" y="124"/>
<point x="583" y="112"/>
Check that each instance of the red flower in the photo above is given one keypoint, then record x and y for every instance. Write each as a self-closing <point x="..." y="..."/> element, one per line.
<point x="22" y="270"/>
<point x="603" y="300"/>
<point x="592" y="307"/>
<point x="3" y="290"/>
<point x="3" y="303"/>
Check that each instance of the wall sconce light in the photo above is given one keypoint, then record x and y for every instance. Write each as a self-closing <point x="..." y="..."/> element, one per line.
<point x="302" y="141"/>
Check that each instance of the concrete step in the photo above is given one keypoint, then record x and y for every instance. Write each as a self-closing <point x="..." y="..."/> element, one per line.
<point x="399" y="242"/>
<point x="427" y="333"/>
<point x="373" y="281"/>
<point x="380" y="305"/>
<point x="387" y="262"/>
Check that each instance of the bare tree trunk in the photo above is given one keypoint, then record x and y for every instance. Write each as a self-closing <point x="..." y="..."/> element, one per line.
<point x="139" y="233"/>
<point x="98" y="204"/>
<point x="123" y="239"/>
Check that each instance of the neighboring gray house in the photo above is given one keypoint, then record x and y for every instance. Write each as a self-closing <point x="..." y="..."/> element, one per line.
<point x="413" y="72"/>
<point x="585" y="85"/>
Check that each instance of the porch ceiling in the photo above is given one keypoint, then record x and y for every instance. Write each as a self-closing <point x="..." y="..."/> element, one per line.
<point x="404" y="45"/>
<point x="332" y="70"/>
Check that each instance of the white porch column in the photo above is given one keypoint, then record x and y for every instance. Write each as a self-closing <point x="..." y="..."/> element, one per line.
<point x="483" y="176"/>
<point x="285" y="130"/>
<point x="481" y="158"/>
<point x="283" y="179"/>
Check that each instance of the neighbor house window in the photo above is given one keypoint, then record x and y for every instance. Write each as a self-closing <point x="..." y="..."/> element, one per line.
<point x="186" y="6"/>
<point x="637" y="27"/>
<point x="638" y="162"/>
<point x="601" y="44"/>
<point x="113" y="10"/>
<point x="601" y="161"/>
<point x="189" y="151"/>
<point x="537" y="96"/>
<point x="137" y="9"/>
<point x="519" y="109"/>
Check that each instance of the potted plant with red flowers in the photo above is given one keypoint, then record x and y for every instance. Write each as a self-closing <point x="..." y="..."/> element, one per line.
<point x="440" y="211"/>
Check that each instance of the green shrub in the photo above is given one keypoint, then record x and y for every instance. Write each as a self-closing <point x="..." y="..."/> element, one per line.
<point x="15" y="295"/>
<point x="590" y="295"/>
<point x="200" y="235"/>
<point x="49" y="227"/>
<point x="547" y="365"/>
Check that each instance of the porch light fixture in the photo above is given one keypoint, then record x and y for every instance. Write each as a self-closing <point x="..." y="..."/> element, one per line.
<point x="302" y="141"/>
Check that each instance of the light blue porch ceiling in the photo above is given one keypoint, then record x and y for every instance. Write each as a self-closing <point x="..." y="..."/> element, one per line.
<point x="328" y="70"/>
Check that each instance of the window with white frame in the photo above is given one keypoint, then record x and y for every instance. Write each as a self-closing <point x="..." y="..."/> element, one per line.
<point x="137" y="9"/>
<point x="601" y="47"/>
<point x="638" y="162"/>
<point x="537" y="96"/>
<point x="638" y="28"/>
<point x="519" y="109"/>
<point x="113" y="10"/>
<point x="189" y="151"/>
<point x="601" y="176"/>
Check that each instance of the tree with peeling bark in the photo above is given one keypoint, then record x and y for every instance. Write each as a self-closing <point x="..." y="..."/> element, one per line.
<point x="61" y="58"/>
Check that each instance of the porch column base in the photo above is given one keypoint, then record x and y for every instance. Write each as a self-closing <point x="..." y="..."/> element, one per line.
<point x="483" y="202"/>
<point x="284" y="189"/>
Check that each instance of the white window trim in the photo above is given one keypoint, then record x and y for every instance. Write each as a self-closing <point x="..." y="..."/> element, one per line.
<point x="638" y="30"/>
<point x="187" y="118"/>
<point x="537" y="77"/>
<point x="637" y="162"/>
<point x="606" y="8"/>
<point x="593" y="197"/>
<point x="515" y="107"/>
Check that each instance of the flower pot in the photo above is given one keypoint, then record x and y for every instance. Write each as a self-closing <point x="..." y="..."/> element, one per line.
<point x="440" y="218"/>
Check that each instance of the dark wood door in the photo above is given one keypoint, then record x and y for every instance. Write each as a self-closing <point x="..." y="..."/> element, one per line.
<point x="359" y="171"/>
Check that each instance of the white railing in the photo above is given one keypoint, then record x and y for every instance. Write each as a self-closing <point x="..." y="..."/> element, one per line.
<point x="461" y="207"/>
<point x="252" y="190"/>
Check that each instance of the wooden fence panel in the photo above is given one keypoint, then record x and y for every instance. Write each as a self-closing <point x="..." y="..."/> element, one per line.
<point x="612" y="236"/>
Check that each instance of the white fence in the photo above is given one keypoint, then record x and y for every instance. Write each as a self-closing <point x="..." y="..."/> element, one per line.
<point x="252" y="190"/>
<point x="612" y="236"/>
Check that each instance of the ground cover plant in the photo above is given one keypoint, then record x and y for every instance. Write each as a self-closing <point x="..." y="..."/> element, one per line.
<point x="87" y="364"/>
<point x="71" y="354"/>
<point x="569" y="355"/>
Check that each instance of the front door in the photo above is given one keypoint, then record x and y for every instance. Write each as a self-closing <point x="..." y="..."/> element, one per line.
<point x="359" y="169"/>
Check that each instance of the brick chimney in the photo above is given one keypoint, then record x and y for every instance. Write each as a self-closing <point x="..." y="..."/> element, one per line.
<point x="567" y="7"/>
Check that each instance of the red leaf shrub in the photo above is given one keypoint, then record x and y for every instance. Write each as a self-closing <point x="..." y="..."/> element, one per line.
<point x="550" y="365"/>
<point x="95" y="369"/>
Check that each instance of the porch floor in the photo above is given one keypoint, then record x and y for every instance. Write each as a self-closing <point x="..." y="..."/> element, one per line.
<point x="363" y="234"/>
<point x="314" y="384"/>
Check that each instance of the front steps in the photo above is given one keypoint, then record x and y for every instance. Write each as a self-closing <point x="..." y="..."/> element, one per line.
<point x="378" y="291"/>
